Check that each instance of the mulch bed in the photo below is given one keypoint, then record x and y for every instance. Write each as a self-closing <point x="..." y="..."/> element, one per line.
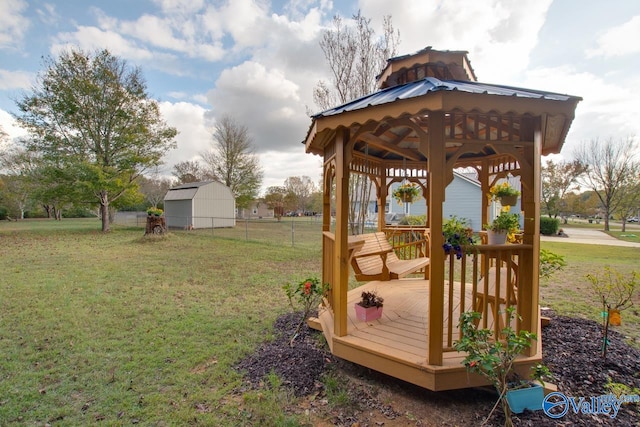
<point x="571" y="350"/>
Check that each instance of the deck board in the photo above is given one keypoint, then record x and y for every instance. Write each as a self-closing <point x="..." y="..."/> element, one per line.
<point x="403" y="325"/>
<point x="397" y="344"/>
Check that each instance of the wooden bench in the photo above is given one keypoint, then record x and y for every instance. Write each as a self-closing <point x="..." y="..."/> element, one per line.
<point x="373" y="258"/>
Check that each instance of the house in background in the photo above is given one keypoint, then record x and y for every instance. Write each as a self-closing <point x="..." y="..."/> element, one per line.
<point x="207" y="204"/>
<point x="463" y="199"/>
<point x="256" y="210"/>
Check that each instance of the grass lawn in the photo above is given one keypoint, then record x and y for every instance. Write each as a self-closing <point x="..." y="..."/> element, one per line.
<point x="120" y="329"/>
<point x="568" y="292"/>
<point x="117" y="328"/>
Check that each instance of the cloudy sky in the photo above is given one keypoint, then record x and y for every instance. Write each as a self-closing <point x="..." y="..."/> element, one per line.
<point x="258" y="60"/>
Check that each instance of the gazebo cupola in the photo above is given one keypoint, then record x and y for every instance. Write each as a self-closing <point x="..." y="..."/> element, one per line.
<point x="443" y="65"/>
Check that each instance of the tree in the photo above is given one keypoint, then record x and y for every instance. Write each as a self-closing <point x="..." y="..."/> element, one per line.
<point x="19" y="182"/>
<point x="355" y="55"/>
<point x="275" y="198"/>
<point x="557" y="180"/>
<point x="154" y="189"/>
<point x="629" y="200"/>
<point x="611" y="166"/>
<point x="188" y="171"/>
<point x="91" y="120"/>
<point x="231" y="160"/>
<point x="299" y="190"/>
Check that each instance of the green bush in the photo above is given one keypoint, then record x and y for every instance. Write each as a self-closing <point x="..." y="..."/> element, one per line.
<point x="550" y="262"/>
<point x="549" y="226"/>
<point x="78" y="212"/>
<point x="414" y="220"/>
<point x="3" y="213"/>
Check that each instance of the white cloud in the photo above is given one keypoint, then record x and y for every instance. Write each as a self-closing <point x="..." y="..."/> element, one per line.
<point x="93" y="38"/>
<point x="193" y="136"/>
<point x="15" y="80"/>
<point x="618" y="41"/>
<point x="13" y="25"/>
<point x="284" y="165"/>
<point x="180" y="6"/>
<point x="252" y="77"/>
<point x="499" y="35"/>
<point x="266" y="102"/>
<point x="10" y="126"/>
<point x="47" y="14"/>
<point x="171" y="33"/>
<point x="246" y="21"/>
<point x="608" y="109"/>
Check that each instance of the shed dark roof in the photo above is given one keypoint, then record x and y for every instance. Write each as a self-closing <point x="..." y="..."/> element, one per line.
<point x="432" y="84"/>
<point x="191" y="185"/>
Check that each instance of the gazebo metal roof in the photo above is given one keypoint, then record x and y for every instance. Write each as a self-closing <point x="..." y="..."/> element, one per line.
<point x="432" y="84"/>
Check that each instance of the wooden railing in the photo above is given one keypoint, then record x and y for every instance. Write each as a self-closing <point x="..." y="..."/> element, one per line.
<point x="487" y="280"/>
<point x="328" y="258"/>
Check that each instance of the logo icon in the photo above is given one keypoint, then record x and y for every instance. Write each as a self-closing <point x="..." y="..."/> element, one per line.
<point x="555" y="405"/>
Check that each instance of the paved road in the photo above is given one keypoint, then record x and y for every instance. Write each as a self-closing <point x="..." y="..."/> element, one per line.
<point x="591" y="236"/>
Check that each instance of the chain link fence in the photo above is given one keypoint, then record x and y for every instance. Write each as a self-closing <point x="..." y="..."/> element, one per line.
<point x="305" y="231"/>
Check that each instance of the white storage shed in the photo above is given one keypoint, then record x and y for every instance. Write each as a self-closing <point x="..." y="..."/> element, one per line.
<point x="208" y="204"/>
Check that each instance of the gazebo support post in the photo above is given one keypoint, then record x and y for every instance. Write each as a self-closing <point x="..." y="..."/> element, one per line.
<point x="341" y="264"/>
<point x="528" y="300"/>
<point x="436" y="161"/>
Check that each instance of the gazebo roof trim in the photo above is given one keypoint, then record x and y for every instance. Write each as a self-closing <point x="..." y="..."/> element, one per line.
<point x="432" y="84"/>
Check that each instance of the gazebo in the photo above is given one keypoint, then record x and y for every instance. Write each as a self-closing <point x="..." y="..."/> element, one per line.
<point x="429" y="117"/>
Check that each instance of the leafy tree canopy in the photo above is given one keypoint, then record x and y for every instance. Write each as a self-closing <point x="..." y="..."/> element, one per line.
<point x="90" y="116"/>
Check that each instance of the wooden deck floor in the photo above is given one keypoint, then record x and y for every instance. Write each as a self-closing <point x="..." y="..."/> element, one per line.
<point x="397" y="343"/>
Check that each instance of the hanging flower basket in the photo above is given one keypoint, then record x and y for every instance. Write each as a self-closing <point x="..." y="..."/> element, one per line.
<point x="504" y="192"/>
<point x="407" y="198"/>
<point x="508" y="200"/>
<point x="406" y="193"/>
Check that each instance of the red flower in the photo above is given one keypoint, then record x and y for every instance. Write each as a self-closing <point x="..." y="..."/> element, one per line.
<point x="307" y="288"/>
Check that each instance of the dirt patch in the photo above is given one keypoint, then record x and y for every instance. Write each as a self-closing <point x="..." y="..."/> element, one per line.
<point x="571" y="351"/>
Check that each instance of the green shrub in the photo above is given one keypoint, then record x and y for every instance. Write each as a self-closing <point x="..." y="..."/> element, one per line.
<point x="78" y="212"/>
<point x="414" y="220"/>
<point x="3" y="213"/>
<point x="550" y="262"/>
<point x="549" y="226"/>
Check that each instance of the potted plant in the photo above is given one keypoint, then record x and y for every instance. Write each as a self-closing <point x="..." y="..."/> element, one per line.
<point x="457" y="236"/>
<point x="493" y="357"/>
<point x="154" y="211"/>
<point x="504" y="224"/>
<point x="406" y="193"/>
<point x="369" y="307"/>
<point x="504" y="192"/>
<point x="528" y="394"/>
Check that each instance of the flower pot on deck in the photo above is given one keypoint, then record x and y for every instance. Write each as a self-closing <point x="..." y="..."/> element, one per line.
<point x="367" y="314"/>
<point x="496" y="237"/>
<point x="529" y="397"/>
